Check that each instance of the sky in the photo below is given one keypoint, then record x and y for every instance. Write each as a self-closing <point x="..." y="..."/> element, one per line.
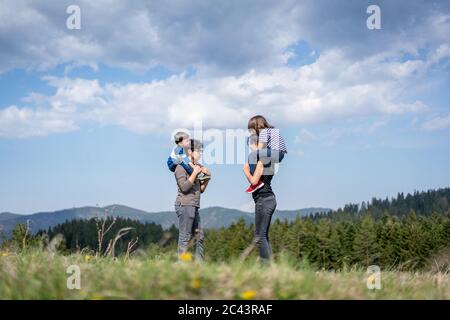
<point x="87" y="115"/>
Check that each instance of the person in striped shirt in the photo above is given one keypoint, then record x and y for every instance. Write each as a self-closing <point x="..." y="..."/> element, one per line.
<point x="266" y="145"/>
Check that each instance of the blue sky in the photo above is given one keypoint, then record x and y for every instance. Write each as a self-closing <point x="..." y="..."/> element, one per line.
<point x="86" y="115"/>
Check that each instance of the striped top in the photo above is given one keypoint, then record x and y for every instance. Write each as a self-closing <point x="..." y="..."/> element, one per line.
<point x="272" y="138"/>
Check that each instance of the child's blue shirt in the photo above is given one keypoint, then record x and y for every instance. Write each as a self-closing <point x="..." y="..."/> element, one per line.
<point x="178" y="156"/>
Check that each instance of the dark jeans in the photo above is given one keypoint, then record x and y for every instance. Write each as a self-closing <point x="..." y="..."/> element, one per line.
<point x="189" y="227"/>
<point x="268" y="157"/>
<point x="264" y="209"/>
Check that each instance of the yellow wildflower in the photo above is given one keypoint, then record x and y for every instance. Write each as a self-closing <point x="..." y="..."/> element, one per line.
<point x="248" y="294"/>
<point x="196" y="283"/>
<point x="186" y="256"/>
<point x="87" y="258"/>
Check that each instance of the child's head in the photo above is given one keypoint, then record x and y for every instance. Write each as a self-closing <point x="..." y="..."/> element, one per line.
<point x="257" y="123"/>
<point x="194" y="150"/>
<point x="182" y="139"/>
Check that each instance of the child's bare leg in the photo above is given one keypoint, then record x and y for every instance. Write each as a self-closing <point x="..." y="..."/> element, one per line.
<point x="252" y="161"/>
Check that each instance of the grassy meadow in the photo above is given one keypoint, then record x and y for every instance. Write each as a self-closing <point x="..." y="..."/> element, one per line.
<point x="40" y="274"/>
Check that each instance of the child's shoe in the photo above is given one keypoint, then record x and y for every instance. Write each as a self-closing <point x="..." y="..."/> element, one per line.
<point x="255" y="187"/>
<point x="203" y="177"/>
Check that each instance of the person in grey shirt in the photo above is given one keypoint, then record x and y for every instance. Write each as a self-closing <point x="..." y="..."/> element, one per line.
<point x="187" y="202"/>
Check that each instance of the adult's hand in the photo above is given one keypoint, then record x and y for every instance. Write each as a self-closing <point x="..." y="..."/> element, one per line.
<point x="253" y="179"/>
<point x="197" y="170"/>
<point x="206" y="171"/>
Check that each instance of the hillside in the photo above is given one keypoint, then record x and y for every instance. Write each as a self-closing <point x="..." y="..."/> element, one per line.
<point x="213" y="217"/>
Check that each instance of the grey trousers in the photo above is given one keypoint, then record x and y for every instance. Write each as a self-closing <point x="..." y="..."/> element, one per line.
<point x="189" y="227"/>
<point x="264" y="209"/>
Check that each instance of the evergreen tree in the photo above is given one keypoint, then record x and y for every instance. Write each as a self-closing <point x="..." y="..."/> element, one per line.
<point x="365" y="244"/>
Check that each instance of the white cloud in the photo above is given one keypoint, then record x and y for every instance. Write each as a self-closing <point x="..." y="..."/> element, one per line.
<point x="215" y="37"/>
<point x="140" y="35"/>
<point x="24" y="122"/>
<point x="239" y="53"/>
<point x="304" y="137"/>
<point x="437" y="123"/>
<point x="330" y="89"/>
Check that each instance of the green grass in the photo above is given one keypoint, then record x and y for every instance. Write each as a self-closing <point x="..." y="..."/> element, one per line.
<point x="39" y="274"/>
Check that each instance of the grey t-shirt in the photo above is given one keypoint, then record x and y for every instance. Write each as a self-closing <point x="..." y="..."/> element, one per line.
<point x="188" y="193"/>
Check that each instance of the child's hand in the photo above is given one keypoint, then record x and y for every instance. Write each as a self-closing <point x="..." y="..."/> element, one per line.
<point x="206" y="171"/>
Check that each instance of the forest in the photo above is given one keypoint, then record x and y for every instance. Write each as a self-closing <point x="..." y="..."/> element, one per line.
<point x="408" y="232"/>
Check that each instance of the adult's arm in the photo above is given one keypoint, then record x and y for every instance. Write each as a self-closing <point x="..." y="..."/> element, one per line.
<point x="204" y="185"/>
<point x="253" y="179"/>
<point x="184" y="181"/>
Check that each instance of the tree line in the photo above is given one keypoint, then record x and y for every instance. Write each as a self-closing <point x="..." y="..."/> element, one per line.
<point x="95" y="234"/>
<point x="406" y="232"/>
<point x="407" y="243"/>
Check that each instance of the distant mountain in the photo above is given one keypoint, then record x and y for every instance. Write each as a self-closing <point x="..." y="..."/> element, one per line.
<point x="7" y="216"/>
<point x="213" y="217"/>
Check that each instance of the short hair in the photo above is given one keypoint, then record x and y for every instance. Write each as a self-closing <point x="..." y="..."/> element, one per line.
<point x="180" y="136"/>
<point x="195" y="145"/>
